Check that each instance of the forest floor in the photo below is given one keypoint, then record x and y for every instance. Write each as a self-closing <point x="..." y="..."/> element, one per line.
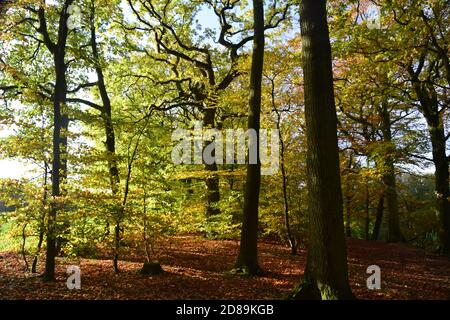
<point x="199" y="269"/>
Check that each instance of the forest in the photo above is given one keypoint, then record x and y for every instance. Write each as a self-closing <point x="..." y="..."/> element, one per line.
<point x="224" y="149"/>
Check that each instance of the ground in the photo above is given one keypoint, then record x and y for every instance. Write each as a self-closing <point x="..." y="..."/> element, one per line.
<point x="198" y="269"/>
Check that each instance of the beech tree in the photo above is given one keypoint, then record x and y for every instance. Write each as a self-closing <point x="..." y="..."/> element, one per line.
<point x="47" y="26"/>
<point x="326" y="274"/>
<point x="214" y="67"/>
<point x="247" y="261"/>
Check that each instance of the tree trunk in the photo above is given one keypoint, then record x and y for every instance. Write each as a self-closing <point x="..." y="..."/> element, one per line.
<point x="326" y="275"/>
<point x="367" y="209"/>
<point x="24" y="242"/>
<point x="379" y="218"/>
<point x="106" y="114"/>
<point x="440" y="161"/>
<point x="212" y="181"/>
<point x="429" y="107"/>
<point x="60" y="123"/>
<point x="348" y="199"/>
<point x="291" y="237"/>
<point x="389" y="179"/>
<point x="42" y="220"/>
<point x="247" y="261"/>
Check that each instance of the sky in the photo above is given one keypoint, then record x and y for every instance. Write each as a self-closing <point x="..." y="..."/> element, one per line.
<point x="14" y="169"/>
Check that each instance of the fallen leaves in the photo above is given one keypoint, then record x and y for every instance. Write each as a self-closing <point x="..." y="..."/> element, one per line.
<point x="198" y="269"/>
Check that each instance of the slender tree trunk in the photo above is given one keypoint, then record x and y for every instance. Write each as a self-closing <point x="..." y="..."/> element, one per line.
<point x="212" y="181"/>
<point x="24" y="242"/>
<point x="367" y="209"/>
<point x="247" y="261"/>
<point x="348" y="198"/>
<point x="379" y="218"/>
<point x="326" y="275"/>
<point x="291" y="238"/>
<point x="106" y="113"/>
<point x="389" y="179"/>
<point x="147" y="251"/>
<point x="348" y="215"/>
<point x="118" y="229"/>
<point x="39" y="246"/>
<point x="42" y="220"/>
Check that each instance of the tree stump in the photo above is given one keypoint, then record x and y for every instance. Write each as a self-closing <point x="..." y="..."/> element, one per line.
<point x="152" y="268"/>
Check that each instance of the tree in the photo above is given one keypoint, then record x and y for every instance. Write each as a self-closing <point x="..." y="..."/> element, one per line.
<point x="373" y="107"/>
<point x="60" y="124"/>
<point x="247" y="261"/>
<point x="389" y="179"/>
<point x="326" y="268"/>
<point x="212" y="69"/>
<point x="106" y="115"/>
<point x="284" y="99"/>
<point x="39" y="24"/>
<point x="424" y="65"/>
<point x="379" y="218"/>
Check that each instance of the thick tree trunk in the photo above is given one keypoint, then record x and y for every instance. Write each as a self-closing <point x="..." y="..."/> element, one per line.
<point x="60" y="124"/>
<point x="247" y="261"/>
<point x="326" y="274"/>
<point x="378" y="219"/>
<point x="440" y="161"/>
<point x="429" y="107"/>
<point x="56" y="173"/>
<point x="389" y="179"/>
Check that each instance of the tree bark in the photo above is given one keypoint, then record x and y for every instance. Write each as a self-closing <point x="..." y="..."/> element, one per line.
<point x="42" y="220"/>
<point x="348" y="198"/>
<point x="389" y="179"/>
<point x="326" y="274"/>
<point x="106" y="113"/>
<point x="212" y="181"/>
<point x="247" y="261"/>
<point x="429" y="107"/>
<point x="367" y="209"/>
<point x="440" y="161"/>
<point x="291" y="237"/>
<point x="378" y="219"/>
<point x="60" y="126"/>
